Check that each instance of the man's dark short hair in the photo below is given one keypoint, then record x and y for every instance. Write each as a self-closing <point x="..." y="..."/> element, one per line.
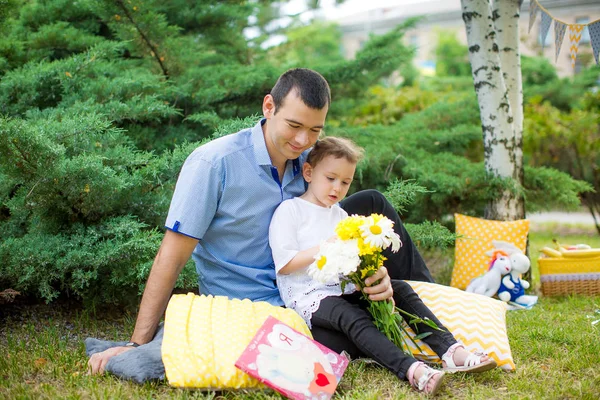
<point x="311" y="86"/>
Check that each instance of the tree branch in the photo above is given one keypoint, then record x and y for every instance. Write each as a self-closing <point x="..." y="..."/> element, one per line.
<point x="144" y="37"/>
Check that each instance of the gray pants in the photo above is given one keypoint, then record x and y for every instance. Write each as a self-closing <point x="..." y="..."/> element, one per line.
<point x="141" y="364"/>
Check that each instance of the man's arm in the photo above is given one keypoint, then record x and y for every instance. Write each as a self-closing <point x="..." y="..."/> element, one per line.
<point x="175" y="250"/>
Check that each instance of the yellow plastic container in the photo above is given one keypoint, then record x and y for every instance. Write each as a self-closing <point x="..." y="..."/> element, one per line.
<point x="561" y="275"/>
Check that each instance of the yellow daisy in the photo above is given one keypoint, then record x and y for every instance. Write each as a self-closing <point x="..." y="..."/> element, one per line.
<point x="349" y="228"/>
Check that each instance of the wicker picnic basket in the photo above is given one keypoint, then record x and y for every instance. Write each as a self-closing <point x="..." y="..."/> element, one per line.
<point x="562" y="275"/>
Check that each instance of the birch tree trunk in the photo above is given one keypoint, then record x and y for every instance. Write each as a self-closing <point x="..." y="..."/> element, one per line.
<point x="507" y="26"/>
<point x="493" y="40"/>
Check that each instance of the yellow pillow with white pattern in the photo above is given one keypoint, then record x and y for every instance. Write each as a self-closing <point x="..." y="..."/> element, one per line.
<point x="205" y="335"/>
<point x="470" y="260"/>
<point x="477" y="321"/>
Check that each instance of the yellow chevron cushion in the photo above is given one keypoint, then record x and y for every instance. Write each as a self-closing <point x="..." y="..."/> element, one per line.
<point x="477" y="321"/>
<point x="470" y="260"/>
<point x="205" y="335"/>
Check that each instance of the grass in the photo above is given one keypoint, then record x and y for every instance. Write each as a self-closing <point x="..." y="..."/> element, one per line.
<point x="555" y="347"/>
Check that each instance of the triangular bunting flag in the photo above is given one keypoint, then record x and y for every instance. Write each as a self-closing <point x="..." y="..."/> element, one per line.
<point x="546" y="21"/>
<point x="559" y="35"/>
<point x="533" y="9"/>
<point x="595" y="39"/>
<point x="574" y="38"/>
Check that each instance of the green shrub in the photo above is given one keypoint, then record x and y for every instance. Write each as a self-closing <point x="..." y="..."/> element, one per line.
<point x="451" y="56"/>
<point x="387" y="105"/>
<point x="100" y="104"/>
<point x="105" y="263"/>
<point x="569" y="142"/>
<point x="440" y="150"/>
<point x="566" y="93"/>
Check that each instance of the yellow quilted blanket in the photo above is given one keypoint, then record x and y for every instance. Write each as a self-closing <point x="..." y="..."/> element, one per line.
<point x="205" y="335"/>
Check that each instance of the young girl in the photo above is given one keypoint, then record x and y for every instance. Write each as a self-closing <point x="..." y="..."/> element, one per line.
<point x="299" y="225"/>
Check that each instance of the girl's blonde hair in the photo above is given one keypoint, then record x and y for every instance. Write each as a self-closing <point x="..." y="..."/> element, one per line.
<point x="337" y="147"/>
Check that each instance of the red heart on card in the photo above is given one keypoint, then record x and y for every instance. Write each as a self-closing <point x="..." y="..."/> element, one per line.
<point x="322" y="380"/>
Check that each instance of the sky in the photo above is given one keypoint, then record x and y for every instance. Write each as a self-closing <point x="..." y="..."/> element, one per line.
<point x="349" y="7"/>
<point x="328" y="11"/>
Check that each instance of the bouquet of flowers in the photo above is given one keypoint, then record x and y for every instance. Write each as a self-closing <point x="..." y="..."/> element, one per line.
<point x="355" y="256"/>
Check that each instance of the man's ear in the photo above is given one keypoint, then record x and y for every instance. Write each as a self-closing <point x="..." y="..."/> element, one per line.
<point x="307" y="170"/>
<point x="268" y="107"/>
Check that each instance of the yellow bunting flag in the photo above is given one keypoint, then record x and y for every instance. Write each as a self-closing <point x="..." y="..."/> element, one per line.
<point x="574" y="38"/>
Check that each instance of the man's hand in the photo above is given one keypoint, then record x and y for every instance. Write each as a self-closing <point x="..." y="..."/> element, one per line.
<point x="383" y="289"/>
<point x="98" y="361"/>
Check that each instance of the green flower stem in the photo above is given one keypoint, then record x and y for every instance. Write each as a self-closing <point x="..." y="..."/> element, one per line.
<point x="388" y="320"/>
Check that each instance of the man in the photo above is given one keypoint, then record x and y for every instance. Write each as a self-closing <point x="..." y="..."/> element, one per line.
<point x="225" y="197"/>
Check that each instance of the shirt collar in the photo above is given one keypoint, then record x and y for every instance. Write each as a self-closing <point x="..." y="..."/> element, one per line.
<point x="260" y="148"/>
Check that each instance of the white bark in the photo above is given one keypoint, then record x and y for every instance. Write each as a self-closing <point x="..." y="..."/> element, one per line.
<point x="507" y="27"/>
<point x="497" y="120"/>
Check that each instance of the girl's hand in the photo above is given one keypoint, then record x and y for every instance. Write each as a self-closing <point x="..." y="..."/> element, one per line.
<point x="332" y="239"/>
<point x="382" y="289"/>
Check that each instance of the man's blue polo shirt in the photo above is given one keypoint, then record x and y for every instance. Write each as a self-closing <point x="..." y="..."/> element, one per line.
<point x="225" y="196"/>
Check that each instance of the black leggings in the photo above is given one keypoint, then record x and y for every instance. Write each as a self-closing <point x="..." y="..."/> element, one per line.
<point x="348" y="314"/>
<point x="405" y="264"/>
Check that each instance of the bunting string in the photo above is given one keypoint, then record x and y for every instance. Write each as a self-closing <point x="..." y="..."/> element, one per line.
<point x="575" y="31"/>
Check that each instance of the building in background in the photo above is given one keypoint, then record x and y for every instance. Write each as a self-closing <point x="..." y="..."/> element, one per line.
<point x="445" y="17"/>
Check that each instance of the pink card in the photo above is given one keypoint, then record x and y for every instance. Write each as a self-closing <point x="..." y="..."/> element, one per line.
<point x="292" y="363"/>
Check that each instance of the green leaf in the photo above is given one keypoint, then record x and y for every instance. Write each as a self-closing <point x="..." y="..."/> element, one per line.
<point x="423" y="335"/>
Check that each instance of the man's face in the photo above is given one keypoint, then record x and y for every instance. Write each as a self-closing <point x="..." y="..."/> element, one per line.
<point x="292" y="128"/>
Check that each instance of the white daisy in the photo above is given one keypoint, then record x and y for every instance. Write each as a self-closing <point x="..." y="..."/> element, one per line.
<point x="334" y="259"/>
<point x="349" y="250"/>
<point x="396" y="242"/>
<point x="378" y="231"/>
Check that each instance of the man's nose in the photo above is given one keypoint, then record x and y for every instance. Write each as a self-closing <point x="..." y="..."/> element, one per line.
<point x="302" y="138"/>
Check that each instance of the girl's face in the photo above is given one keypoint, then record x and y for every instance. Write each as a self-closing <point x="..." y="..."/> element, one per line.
<point x="329" y="181"/>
